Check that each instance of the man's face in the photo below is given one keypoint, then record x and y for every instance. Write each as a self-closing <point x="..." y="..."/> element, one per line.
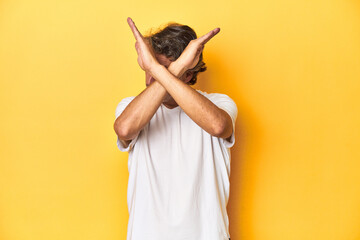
<point x="163" y="60"/>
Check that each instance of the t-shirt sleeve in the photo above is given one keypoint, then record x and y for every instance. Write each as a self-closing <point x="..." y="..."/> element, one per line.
<point x="119" y="109"/>
<point x="228" y="105"/>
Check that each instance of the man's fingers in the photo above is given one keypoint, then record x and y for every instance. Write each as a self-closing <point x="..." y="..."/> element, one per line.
<point x="205" y="38"/>
<point x="134" y="29"/>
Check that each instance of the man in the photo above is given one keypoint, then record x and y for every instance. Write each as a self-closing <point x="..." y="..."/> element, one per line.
<point x="178" y="139"/>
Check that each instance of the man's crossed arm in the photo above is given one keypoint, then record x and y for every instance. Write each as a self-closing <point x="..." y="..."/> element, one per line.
<point x="201" y="110"/>
<point x="141" y="109"/>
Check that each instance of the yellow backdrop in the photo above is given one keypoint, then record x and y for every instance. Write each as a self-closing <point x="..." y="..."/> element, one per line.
<point x="292" y="67"/>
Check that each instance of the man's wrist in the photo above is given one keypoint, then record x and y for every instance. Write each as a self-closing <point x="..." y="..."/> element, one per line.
<point x="154" y="68"/>
<point x="174" y="68"/>
<point x="177" y="69"/>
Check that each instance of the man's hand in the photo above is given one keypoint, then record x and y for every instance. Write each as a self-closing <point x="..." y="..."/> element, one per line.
<point x="146" y="56"/>
<point x="191" y="54"/>
<point x="188" y="59"/>
<point x="200" y="109"/>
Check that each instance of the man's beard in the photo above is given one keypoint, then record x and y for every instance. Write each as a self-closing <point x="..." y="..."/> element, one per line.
<point x="169" y="100"/>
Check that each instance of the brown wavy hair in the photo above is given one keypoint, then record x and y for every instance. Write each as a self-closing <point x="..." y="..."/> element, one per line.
<point x="171" y="41"/>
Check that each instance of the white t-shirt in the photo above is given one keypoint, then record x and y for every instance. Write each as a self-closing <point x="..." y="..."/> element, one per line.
<point x="178" y="186"/>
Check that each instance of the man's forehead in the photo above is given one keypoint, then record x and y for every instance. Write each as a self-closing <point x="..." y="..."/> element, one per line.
<point x="163" y="60"/>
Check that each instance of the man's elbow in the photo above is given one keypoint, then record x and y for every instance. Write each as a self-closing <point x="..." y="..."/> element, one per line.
<point x="222" y="130"/>
<point x="217" y="129"/>
<point x="122" y="131"/>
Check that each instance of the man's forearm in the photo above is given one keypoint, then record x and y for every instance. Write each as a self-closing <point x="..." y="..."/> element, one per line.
<point x="201" y="110"/>
<point x="142" y="108"/>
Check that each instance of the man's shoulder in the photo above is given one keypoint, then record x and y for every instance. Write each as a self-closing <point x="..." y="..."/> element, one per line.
<point x="122" y="105"/>
<point x="130" y="98"/>
<point x="126" y="100"/>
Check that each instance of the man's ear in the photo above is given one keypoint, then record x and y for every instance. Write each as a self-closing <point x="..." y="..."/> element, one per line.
<point x="188" y="76"/>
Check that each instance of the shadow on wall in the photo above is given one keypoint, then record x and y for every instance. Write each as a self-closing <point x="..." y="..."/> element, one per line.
<point x="221" y="78"/>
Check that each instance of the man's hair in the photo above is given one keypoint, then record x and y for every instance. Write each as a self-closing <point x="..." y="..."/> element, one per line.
<point x="171" y="42"/>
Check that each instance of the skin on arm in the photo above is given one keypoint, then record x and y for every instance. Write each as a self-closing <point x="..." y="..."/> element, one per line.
<point x="142" y="108"/>
<point x="201" y="110"/>
<point x="206" y="114"/>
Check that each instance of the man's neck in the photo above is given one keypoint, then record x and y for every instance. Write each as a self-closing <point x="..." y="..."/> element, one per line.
<point x="170" y="103"/>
